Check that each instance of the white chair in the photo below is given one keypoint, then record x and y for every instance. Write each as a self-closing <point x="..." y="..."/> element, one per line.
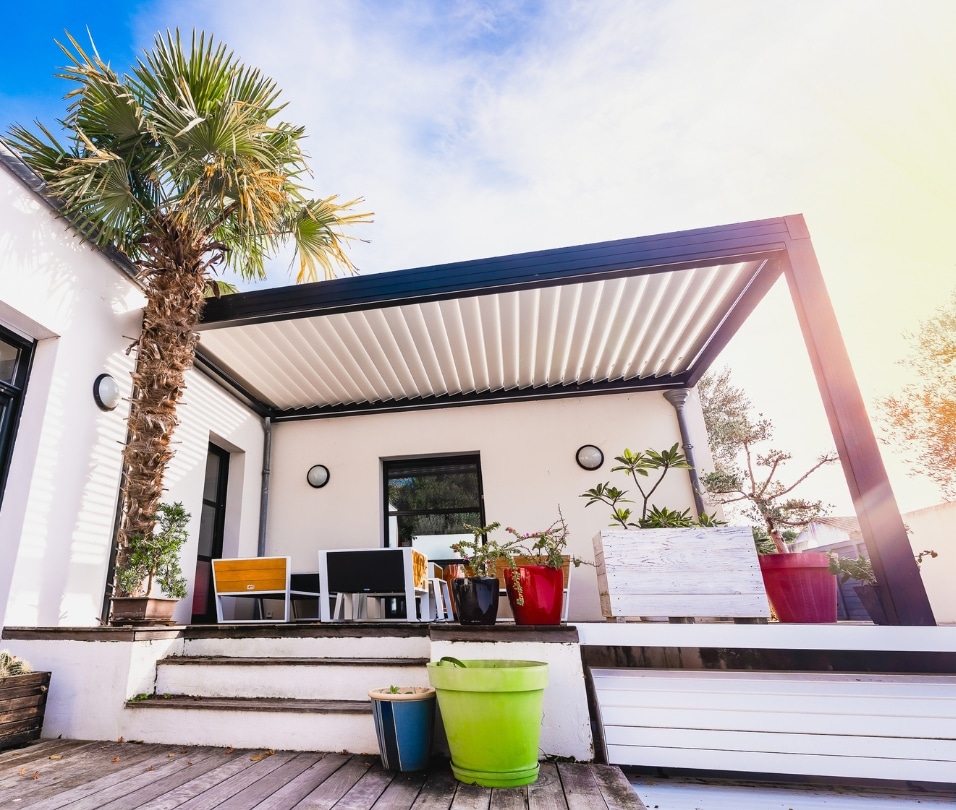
<point x="355" y="575"/>
<point x="440" y="601"/>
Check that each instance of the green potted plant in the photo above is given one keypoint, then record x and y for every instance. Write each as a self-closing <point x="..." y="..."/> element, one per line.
<point x="536" y="584"/>
<point x="23" y="694"/>
<point x="404" y="720"/>
<point x="655" y="561"/>
<point x="476" y="595"/>
<point x="867" y="588"/>
<point x="153" y="560"/>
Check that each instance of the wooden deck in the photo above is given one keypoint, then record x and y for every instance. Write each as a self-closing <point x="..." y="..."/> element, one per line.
<point x="77" y="775"/>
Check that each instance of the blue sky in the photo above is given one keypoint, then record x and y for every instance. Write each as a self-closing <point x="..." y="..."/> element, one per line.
<point x="476" y="128"/>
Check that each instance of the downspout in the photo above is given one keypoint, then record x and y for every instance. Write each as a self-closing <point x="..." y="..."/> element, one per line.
<point x="264" y="493"/>
<point x="677" y="397"/>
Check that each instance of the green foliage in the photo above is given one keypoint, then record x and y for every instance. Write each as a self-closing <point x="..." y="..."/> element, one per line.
<point x="921" y="418"/>
<point x="847" y="568"/>
<point x="742" y="474"/>
<point x="481" y="554"/>
<point x="156" y="557"/>
<point x="639" y="466"/>
<point x="11" y="665"/>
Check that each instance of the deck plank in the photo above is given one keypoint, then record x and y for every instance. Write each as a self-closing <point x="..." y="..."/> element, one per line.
<point x="580" y="788"/>
<point x="337" y="785"/>
<point x="617" y="791"/>
<point x="471" y="797"/>
<point x="438" y="792"/>
<point x="515" y="798"/>
<point x="253" y="771"/>
<point x="366" y="792"/>
<point x="92" y="771"/>
<point x="261" y="790"/>
<point x="38" y="755"/>
<point x="547" y="793"/>
<point x="402" y="792"/>
<point x="289" y="795"/>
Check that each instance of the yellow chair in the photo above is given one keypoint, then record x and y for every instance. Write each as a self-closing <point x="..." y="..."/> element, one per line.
<point x="255" y="578"/>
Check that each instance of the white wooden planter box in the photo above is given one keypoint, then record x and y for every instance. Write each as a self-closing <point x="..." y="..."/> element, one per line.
<point x="679" y="573"/>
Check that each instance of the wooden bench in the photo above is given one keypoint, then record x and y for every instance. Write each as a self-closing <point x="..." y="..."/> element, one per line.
<point x="256" y="578"/>
<point x="900" y="727"/>
<point x="501" y="565"/>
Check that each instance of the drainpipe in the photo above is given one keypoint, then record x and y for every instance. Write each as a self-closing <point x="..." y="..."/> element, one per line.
<point x="677" y="397"/>
<point x="264" y="493"/>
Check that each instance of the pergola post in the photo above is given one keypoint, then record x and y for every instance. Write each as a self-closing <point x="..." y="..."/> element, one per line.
<point x="902" y="592"/>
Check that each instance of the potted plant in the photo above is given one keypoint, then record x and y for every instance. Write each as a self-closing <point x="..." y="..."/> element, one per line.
<point x="492" y="712"/>
<point x="536" y="584"/>
<point x="476" y="595"/>
<point x="746" y="474"/>
<point x="867" y="588"/>
<point x="153" y="560"/>
<point x="404" y="720"/>
<point x="23" y="694"/>
<point x="660" y="561"/>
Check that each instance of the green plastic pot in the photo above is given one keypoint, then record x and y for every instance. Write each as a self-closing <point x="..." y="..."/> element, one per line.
<point x="492" y="713"/>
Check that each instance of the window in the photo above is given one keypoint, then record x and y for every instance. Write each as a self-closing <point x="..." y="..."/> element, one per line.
<point x="16" y="354"/>
<point x="428" y="501"/>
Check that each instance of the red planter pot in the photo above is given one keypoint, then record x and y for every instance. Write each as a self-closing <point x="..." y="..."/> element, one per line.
<point x="543" y="590"/>
<point x="800" y="586"/>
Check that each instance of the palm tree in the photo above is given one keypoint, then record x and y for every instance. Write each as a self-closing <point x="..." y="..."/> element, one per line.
<point x="181" y="166"/>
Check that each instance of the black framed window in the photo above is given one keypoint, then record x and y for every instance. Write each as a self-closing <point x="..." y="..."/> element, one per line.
<point x="212" y="524"/>
<point x="430" y="499"/>
<point x="16" y="355"/>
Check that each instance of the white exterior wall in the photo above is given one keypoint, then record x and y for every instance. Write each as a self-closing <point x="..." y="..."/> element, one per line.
<point x="56" y="519"/>
<point x="935" y="528"/>
<point x="527" y="467"/>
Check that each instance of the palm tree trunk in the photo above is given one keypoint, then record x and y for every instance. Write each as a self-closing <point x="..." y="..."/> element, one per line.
<point x="164" y="351"/>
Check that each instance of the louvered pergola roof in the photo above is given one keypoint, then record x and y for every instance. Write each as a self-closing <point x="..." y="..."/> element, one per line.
<point x="632" y="314"/>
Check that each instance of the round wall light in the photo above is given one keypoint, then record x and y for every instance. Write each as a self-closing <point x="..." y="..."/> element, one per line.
<point x="317" y="476"/>
<point x="589" y="457"/>
<point x="106" y="392"/>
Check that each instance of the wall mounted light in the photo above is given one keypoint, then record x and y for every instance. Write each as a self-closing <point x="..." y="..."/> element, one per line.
<point x="317" y="476"/>
<point x="589" y="457"/>
<point x="106" y="392"/>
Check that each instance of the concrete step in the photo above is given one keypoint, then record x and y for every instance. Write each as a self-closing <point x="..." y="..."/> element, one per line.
<point x="334" y="640"/>
<point x="277" y="723"/>
<point x="295" y="678"/>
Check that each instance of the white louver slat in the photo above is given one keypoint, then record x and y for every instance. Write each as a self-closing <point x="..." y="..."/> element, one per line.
<point x="647" y="326"/>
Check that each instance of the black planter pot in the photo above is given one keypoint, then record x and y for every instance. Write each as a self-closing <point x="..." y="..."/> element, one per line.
<point x="476" y="599"/>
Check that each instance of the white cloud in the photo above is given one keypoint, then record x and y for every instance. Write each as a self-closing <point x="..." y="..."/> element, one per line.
<point x="480" y="128"/>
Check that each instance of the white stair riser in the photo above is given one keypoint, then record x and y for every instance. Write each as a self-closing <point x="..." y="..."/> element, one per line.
<point x="343" y="646"/>
<point x="287" y="731"/>
<point x="316" y="682"/>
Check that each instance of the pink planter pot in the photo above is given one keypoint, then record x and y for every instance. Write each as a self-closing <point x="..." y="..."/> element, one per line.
<point x="543" y="590"/>
<point x="800" y="586"/>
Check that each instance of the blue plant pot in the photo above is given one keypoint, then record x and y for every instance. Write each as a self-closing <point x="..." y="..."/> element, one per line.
<point x="404" y="722"/>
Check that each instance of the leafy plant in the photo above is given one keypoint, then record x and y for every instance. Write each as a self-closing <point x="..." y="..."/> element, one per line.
<point x="11" y="665"/>
<point x="155" y="558"/>
<point x="481" y="554"/>
<point x="640" y="466"/>
<point x="861" y="568"/>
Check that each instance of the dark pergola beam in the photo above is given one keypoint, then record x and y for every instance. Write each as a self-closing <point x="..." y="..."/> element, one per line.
<point x="902" y="592"/>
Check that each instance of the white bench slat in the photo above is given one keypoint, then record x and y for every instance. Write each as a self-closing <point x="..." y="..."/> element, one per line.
<point x="756" y="762"/>
<point x="790" y="719"/>
<point x="784" y="743"/>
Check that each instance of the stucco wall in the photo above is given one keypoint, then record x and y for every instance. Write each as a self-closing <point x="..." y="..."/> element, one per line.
<point x="527" y="466"/>
<point x="935" y="528"/>
<point x="56" y="519"/>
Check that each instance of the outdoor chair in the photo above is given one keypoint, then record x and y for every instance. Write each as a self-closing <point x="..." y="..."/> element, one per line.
<point x="256" y="578"/>
<point x="353" y="576"/>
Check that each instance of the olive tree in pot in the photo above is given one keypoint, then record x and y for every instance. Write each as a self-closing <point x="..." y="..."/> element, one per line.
<point x="663" y="562"/>
<point x="800" y="586"/>
<point x="23" y="694"/>
<point x="153" y="560"/>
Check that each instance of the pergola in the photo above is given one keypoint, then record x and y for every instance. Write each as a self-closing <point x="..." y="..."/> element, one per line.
<point x="648" y="313"/>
